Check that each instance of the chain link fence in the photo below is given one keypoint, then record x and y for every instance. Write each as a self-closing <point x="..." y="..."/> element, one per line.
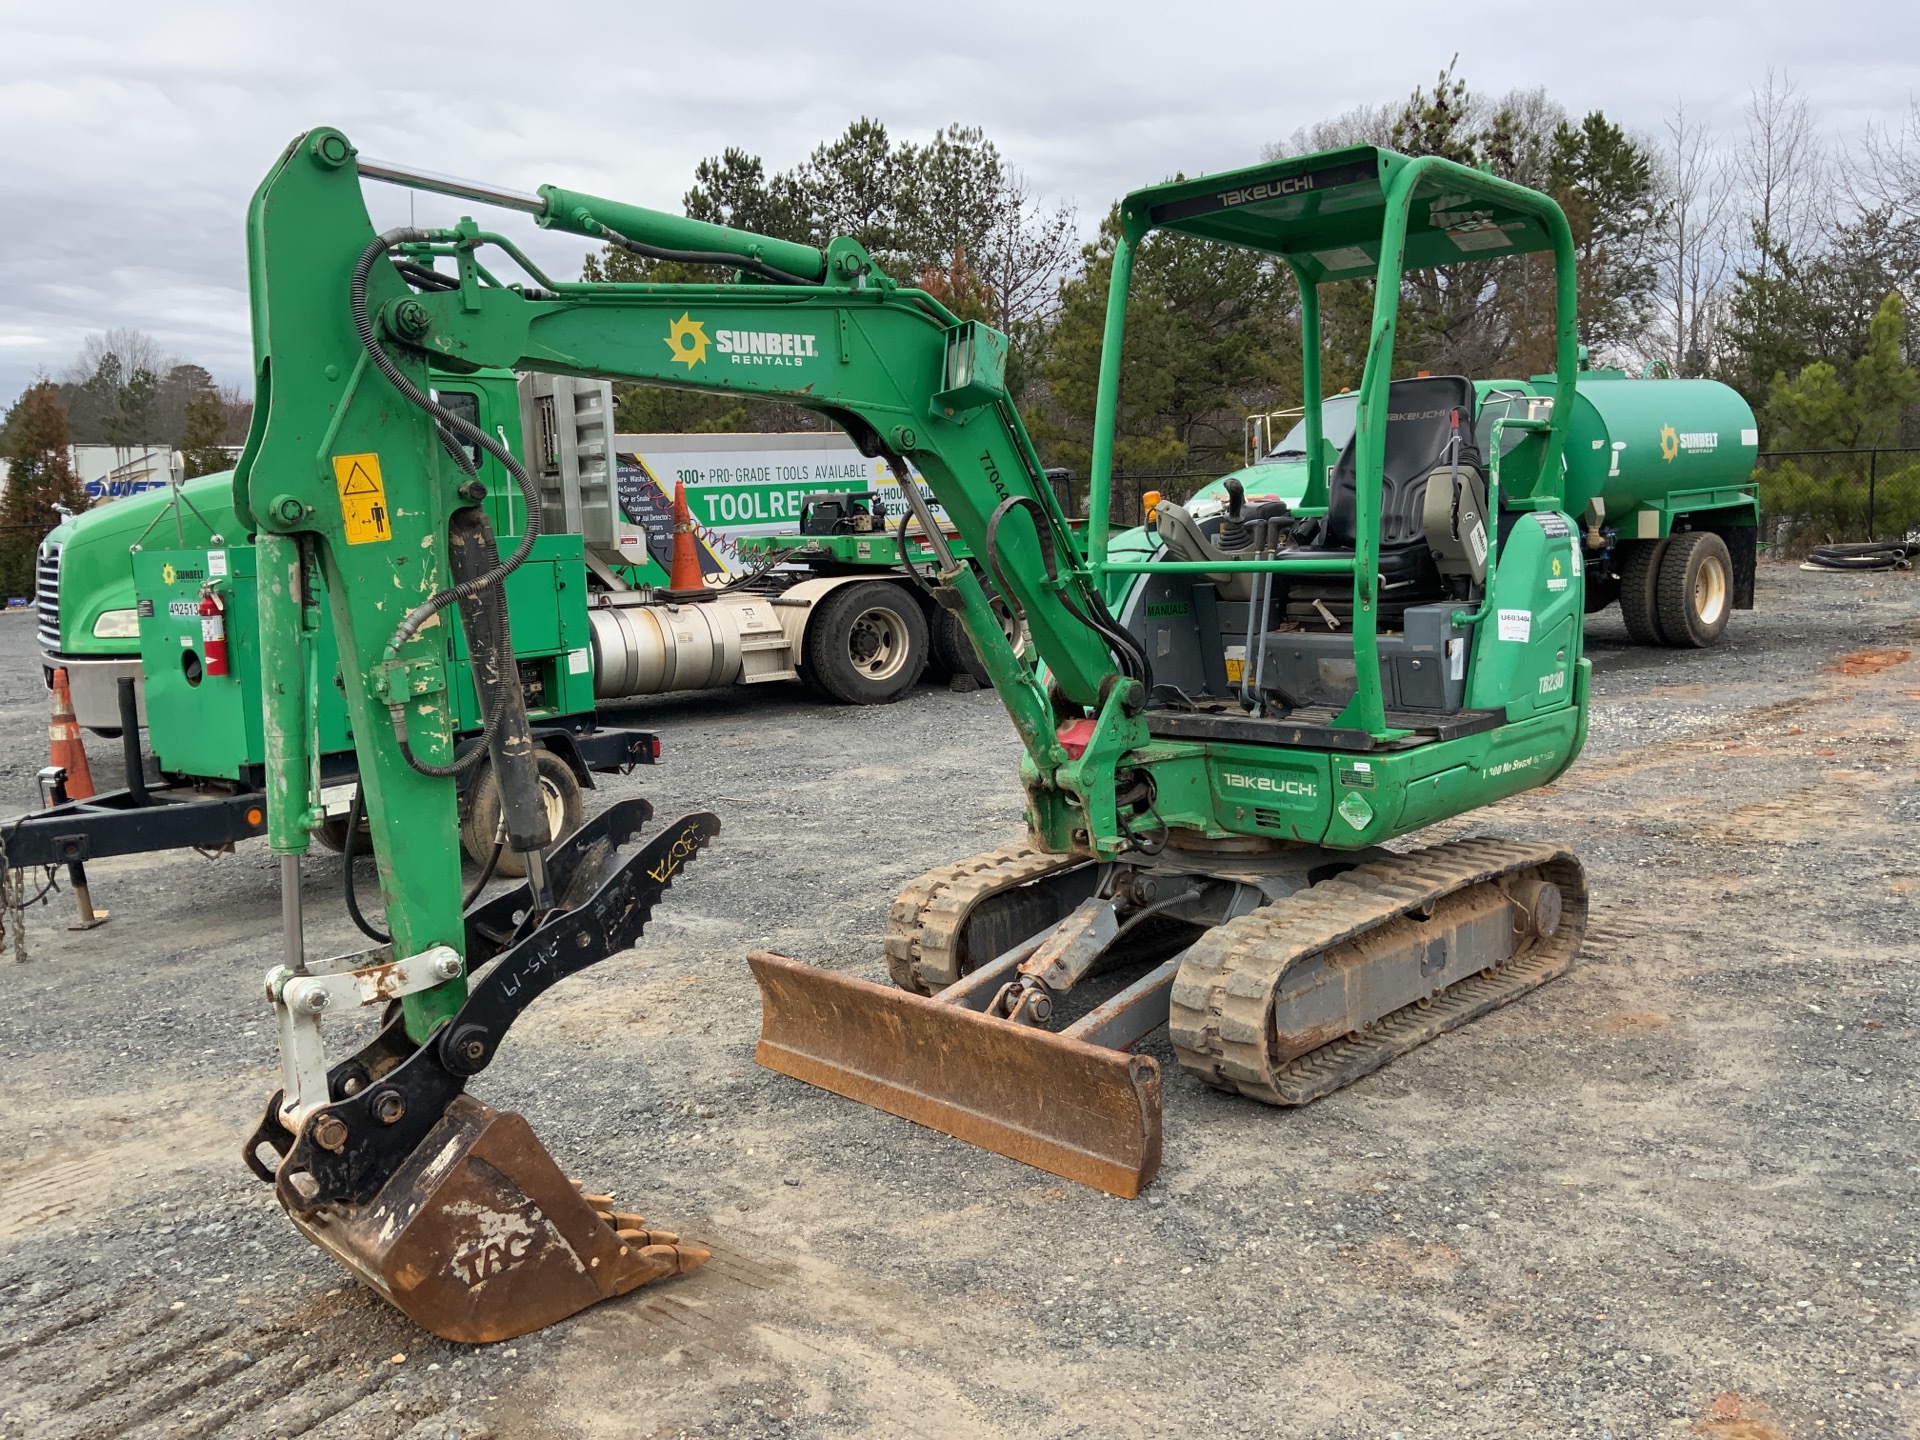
<point x="1827" y="497"/>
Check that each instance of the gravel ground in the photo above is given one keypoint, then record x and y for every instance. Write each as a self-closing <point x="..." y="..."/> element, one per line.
<point x="1672" y="1193"/>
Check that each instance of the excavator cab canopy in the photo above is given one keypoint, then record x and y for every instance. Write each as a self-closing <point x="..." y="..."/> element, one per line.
<point x="1325" y="214"/>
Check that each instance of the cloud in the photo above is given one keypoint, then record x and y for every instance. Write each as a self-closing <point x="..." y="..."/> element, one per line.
<point x="139" y="131"/>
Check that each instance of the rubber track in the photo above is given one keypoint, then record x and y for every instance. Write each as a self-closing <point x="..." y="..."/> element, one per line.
<point x="923" y="927"/>
<point x="1224" y="991"/>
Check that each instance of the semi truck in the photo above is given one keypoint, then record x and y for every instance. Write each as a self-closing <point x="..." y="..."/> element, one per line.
<point x="827" y="603"/>
<point x="122" y="592"/>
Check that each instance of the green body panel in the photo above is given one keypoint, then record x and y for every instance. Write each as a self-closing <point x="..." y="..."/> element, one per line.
<point x="1670" y="448"/>
<point x="213" y="727"/>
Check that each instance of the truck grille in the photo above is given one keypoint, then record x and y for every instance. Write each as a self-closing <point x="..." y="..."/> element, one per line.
<point x="46" y="596"/>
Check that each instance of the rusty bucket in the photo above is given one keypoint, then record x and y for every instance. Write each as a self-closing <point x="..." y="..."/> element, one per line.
<point x="478" y="1236"/>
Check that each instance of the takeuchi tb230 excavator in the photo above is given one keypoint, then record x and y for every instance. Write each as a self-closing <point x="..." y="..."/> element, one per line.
<point x="1223" y="718"/>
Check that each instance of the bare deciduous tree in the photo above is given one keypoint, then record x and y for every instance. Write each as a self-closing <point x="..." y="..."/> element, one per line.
<point x="1694" y="260"/>
<point x="1783" y="170"/>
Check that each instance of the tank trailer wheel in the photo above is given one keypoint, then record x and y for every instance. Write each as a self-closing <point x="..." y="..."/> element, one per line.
<point x="1695" y="589"/>
<point x="867" y="644"/>
<point x="559" y="788"/>
<point x="1640" y="590"/>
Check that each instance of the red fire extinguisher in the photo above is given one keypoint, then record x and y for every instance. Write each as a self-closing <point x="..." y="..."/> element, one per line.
<point x="213" y="633"/>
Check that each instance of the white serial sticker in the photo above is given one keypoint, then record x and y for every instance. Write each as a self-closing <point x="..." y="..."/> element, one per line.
<point x="1516" y="625"/>
<point x="1749" y="437"/>
<point x="1457" y="659"/>
<point x="1576" y="559"/>
<point x="579" y="662"/>
<point x="1477" y="541"/>
<point x="216" y="564"/>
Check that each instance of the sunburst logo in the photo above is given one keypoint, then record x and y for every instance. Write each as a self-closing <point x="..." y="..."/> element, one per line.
<point x="1669" y="442"/>
<point x="168" y="574"/>
<point x="687" y="338"/>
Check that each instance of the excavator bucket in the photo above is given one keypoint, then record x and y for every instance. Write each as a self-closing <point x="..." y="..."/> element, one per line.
<point x="479" y="1237"/>
<point x="1078" y="1110"/>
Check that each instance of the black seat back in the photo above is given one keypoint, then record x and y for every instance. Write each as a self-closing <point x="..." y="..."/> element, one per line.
<point x="1422" y="415"/>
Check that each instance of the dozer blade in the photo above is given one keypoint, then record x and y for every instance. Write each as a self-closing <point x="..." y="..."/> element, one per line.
<point x="479" y="1237"/>
<point x="1080" y="1111"/>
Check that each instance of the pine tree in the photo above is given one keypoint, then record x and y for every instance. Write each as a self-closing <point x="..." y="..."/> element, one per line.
<point x="34" y="442"/>
<point x="206" y="428"/>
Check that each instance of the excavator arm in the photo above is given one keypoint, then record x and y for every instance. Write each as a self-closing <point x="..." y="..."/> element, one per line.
<point x="364" y="496"/>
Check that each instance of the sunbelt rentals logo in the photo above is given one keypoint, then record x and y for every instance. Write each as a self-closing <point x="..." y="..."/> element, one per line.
<point x="687" y="338"/>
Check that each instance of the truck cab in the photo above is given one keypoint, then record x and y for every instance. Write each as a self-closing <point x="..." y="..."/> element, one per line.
<point x="85" y="595"/>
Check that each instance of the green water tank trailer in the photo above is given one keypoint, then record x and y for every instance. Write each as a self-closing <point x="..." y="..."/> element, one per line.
<point x="1657" y="451"/>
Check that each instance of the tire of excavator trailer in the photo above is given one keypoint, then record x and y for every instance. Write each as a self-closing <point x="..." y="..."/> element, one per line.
<point x="1694" y="589"/>
<point x="1640" y="590"/>
<point x="559" y="788"/>
<point x="865" y="644"/>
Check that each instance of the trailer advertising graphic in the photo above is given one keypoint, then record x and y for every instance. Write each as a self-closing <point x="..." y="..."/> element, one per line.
<point x="737" y="485"/>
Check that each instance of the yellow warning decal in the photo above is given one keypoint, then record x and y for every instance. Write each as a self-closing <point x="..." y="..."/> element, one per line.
<point x="363" y="498"/>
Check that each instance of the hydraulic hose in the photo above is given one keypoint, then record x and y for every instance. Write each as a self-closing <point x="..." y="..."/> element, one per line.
<point x="1127" y="653"/>
<point x="451" y="429"/>
<point x="355" y="815"/>
<point x="1878" y="555"/>
<point x="449" y="424"/>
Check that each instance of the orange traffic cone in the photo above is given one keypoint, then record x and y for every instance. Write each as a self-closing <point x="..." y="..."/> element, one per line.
<point x="63" y="731"/>
<point x="686" y="578"/>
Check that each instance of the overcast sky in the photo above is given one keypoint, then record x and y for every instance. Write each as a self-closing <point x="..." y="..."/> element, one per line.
<point x="135" y="132"/>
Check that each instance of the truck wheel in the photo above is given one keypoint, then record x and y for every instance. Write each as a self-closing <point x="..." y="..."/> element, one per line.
<point x="866" y="644"/>
<point x="953" y="652"/>
<point x="566" y="810"/>
<point x="1602" y="591"/>
<point x="1639" y="590"/>
<point x="1695" y="589"/>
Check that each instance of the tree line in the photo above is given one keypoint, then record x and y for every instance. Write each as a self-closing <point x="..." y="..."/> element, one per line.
<point x="1768" y="259"/>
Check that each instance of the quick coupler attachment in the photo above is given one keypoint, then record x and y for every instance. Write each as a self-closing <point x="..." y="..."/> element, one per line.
<point x="449" y="1209"/>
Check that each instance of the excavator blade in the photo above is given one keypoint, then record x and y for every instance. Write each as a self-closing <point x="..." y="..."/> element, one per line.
<point x="478" y="1236"/>
<point x="1080" y="1111"/>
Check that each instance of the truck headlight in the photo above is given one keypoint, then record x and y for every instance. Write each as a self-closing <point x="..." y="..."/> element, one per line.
<point x="117" y="625"/>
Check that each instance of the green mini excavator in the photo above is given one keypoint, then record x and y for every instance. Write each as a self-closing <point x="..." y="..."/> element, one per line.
<point x="1224" y="716"/>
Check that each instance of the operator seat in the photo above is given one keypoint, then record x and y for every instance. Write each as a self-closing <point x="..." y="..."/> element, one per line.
<point x="1429" y="430"/>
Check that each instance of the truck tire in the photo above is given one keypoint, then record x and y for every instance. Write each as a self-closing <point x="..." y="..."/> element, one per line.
<point x="953" y="652"/>
<point x="866" y="644"/>
<point x="566" y="810"/>
<point x="1639" y="590"/>
<point x="1695" y="590"/>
